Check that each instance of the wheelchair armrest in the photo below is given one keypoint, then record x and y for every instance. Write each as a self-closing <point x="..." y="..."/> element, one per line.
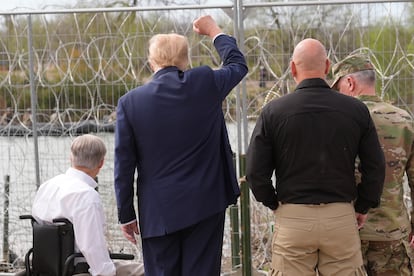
<point x="62" y="220"/>
<point x="121" y="256"/>
<point x="26" y="217"/>
<point x="118" y="256"/>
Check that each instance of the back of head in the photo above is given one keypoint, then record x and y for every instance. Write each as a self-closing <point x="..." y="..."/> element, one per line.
<point x="310" y="59"/>
<point x="358" y="64"/>
<point x="87" y="151"/>
<point x="168" y="50"/>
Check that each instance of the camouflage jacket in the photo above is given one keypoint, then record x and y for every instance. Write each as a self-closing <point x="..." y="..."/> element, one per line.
<point x="396" y="133"/>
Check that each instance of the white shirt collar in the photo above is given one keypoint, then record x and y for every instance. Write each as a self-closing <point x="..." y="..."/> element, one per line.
<point x="82" y="176"/>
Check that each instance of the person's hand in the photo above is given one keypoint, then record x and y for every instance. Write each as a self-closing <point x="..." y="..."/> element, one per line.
<point x="361" y="219"/>
<point x="130" y="230"/>
<point x="411" y="240"/>
<point x="205" y="25"/>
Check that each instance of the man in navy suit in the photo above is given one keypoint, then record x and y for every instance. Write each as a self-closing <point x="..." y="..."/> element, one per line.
<point x="172" y="131"/>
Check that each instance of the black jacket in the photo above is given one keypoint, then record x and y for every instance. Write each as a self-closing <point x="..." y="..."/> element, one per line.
<point x="310" y="139"/>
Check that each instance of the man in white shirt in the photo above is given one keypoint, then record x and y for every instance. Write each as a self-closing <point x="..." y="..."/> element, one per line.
<point x="72" y="195"/>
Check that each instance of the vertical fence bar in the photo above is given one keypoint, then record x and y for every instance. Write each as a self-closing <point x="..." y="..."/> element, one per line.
<point x="245" y="192"/>
<point x="235" y="211"/>
<point x="6" y="218"/>
<point x="235" y="236"/>
<point x="245" y="222"/>
<point x="235" y="231"/>
<point x="33" y="98"/>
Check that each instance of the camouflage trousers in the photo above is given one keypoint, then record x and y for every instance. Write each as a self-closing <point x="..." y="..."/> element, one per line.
<point x="386" y="258"/>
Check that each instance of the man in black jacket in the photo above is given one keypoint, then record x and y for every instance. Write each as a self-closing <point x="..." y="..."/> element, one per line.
<point x="309" y="139"/>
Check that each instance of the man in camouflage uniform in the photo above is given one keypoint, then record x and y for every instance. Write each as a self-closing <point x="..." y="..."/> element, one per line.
<point x="385" y="236"/>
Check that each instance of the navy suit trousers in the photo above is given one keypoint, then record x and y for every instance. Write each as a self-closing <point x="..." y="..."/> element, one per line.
<point x="195" y="250"/>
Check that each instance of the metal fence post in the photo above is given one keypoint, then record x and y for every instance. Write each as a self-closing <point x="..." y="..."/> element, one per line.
<point x="33" y="99"/>
<point x="245" y="222"/>
<point x="6" y="218"/>
<point x="235" y="232"/>
<point x="241" y="105"/>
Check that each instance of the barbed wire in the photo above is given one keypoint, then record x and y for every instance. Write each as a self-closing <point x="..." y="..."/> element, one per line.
<point x="85" y="62"/>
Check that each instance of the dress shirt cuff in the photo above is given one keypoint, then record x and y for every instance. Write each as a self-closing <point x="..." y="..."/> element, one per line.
<point x="130" y="222"/>
<point x="217" y="35"/>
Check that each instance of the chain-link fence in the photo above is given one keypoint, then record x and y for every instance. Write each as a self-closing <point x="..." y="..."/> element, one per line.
<point x="62" y="72"/>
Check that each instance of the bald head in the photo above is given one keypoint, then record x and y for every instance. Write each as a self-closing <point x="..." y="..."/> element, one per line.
<point x="309" y="60"/>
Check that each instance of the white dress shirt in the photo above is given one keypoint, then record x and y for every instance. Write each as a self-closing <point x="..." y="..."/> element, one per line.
<point x="73" y="196"/>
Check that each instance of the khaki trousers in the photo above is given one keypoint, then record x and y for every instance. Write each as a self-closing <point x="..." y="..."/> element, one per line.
<point x="311" y="239"/>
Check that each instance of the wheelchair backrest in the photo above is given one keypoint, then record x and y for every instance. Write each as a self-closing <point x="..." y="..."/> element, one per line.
<point x="52" y="245"/>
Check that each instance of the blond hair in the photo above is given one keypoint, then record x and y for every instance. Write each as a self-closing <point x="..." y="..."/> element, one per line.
<point x="168" y="50"/>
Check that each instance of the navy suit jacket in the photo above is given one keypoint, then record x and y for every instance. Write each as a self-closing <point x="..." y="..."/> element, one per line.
<point x="172" y="132"/>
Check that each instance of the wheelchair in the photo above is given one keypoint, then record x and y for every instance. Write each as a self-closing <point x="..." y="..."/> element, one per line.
<point x="53" y="250"/>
